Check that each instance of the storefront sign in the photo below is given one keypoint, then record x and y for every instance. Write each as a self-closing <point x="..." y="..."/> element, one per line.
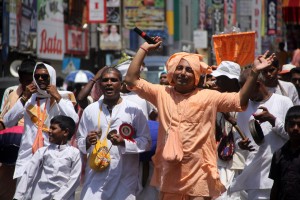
<point x="76" y="40"/>
<point x="147" y="15"/>
<point x="218" y="16"/>
<point x="96" y="11"/>
<point x="256" y="25"/>
<point x="50" y="34"/>
<point x="271" y="17"/>
<point x="202" y="14"/>
<point x="229" y="13"/>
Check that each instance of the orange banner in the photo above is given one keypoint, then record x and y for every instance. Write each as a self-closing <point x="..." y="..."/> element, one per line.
<point x="235" y="47"/>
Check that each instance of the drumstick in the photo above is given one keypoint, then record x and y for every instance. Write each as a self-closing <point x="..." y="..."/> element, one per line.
<point x="233" y="123"/>
<point x="240" y="132"/>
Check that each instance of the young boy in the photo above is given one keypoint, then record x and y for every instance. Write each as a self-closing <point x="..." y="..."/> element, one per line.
<point x="54" y="171"/>
<point x="286" y="161"/>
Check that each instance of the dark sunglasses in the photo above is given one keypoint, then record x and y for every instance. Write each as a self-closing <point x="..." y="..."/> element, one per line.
<point x="43" y="76"/>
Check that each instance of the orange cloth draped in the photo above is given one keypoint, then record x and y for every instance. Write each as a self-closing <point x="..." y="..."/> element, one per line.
<point x="195" y="60"/>
<point x="235" y="47"/>
<point x="39" y="139"/>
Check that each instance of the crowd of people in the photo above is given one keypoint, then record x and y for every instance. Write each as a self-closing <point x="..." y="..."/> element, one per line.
<point x="202" y="133"/>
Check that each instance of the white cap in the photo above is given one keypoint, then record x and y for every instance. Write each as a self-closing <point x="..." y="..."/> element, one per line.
<point x="286" y="68"/>
<point x="227" y="68"/>
<point x="123" y="67"/>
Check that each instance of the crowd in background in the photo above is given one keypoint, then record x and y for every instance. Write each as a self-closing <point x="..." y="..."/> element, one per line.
<point x="203" y="132"/>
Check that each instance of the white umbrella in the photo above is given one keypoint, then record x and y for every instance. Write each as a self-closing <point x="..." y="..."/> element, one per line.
<point x="79" y="76"/>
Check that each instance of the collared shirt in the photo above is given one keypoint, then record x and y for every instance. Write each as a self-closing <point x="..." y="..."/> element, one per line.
<point x="28" y="111"/>
<point x="52" y="173"/>
<point x="120" y="179"/>
<point x="285" y="171"/>
<point x="191" y="116"/>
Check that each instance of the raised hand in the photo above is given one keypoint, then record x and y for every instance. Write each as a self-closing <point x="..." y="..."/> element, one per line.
<point x="262" y="62"/>
<point x="98" y="74"/>
<point x="30" y="89"/>
<point x="147" y="47"/>
<point x="52" y="90"/>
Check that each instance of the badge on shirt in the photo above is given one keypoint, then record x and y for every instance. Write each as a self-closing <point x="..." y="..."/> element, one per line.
<point x="127" y="131"/>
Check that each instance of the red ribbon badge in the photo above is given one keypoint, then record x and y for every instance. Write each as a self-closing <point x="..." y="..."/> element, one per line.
<point x="127" y="131"/>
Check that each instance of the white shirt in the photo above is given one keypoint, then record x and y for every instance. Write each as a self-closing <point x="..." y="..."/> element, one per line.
<point x="258" y="163"/>
<point x="120" y="179"/>
<point x="64" y="107"/>
<point x="52" y="173"/>
<point x="288" y="89"/>
<point x="146" y="107"/>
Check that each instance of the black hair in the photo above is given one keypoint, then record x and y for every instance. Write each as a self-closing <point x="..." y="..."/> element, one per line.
<point x="281" y="46"/>
<point x="245" y="73"/>
<point x="292" y="113"/>
<point x="41" y="66"/>
<point x="295" y="70"/>
<point x="59" y="81"/>
<point x="26" y="67"/>
<point x="65" y="122"/>
<point x="112" y="69"/>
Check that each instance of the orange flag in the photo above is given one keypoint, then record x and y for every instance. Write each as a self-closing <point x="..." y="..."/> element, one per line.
<point x="235" y="47"/>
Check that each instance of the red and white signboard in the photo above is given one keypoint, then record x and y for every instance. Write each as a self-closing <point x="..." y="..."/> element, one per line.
<point x="76" y="40"/>
<point x="96" y="11"/>
<point x="50" y="31"/>
<point x="256" y="25"/>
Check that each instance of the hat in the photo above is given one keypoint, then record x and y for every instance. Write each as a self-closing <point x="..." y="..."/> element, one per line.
<point x="286" y="68"/>
<point x="227" y="68"/>
<point x="195" y="62"/>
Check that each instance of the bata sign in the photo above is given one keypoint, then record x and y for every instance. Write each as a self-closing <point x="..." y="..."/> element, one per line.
<point x="50" y="45"/>
<point x="50" y="42"/>
<point x="50" y="30"/>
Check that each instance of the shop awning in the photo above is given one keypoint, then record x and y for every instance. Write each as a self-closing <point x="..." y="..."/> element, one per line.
<point x="291" y="11"/>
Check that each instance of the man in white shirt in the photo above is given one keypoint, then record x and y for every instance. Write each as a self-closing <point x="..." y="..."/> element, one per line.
<point x="274" y="85"/>
<point x="107" y="116"/>
<point x="38" y="104"/>
<point x="270" y="110"/>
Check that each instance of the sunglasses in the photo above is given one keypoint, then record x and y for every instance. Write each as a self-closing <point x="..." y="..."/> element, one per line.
<point x="43" y="76"/>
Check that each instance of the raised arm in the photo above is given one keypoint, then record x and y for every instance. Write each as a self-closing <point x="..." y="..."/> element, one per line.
<point x="260" y="63"/>
<point x="86" y="90"/>
<point x="133" y="72"/>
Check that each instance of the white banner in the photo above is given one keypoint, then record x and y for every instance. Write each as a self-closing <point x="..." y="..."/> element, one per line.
<point x="256" y="25"/>
<point x="50" y="30"/>
<point x="96" y="11"/>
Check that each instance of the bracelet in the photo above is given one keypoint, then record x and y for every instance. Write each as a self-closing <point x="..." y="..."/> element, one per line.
<point x="144" y="49"/>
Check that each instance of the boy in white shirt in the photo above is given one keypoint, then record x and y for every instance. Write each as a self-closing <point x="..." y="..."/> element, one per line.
<point x="53" y="171"/>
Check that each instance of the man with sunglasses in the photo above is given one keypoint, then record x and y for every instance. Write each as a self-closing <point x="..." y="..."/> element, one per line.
<point x="38" y="104"/>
